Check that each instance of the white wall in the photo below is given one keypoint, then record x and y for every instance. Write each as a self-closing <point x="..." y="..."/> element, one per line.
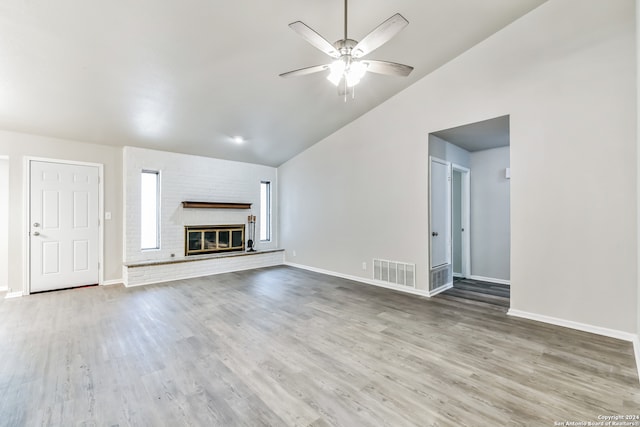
<point x="4" y="223"/>
<point x="490" y="222"/>
<point x="19" y="145"/>
<point x="565" y="73"/>
<point x="192" y="178"/>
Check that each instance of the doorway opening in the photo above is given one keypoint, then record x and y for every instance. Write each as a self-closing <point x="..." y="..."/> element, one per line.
<point x="478" y="233"/>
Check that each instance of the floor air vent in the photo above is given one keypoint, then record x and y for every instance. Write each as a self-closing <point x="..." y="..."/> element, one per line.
<point x="394" y="272"/>
<point x="440" y="277"/>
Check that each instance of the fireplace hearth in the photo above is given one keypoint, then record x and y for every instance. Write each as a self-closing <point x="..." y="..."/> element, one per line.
<point x="209" y="239"/>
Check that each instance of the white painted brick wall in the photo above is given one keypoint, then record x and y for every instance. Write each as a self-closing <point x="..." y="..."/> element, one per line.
<point x="136" y="276"/>
<point x="184" y="177"/>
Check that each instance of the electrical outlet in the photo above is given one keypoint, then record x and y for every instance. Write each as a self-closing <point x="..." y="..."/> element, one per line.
<point x="293" y="253"/>
<point x="364" y="265"/>
<point x="107" y="215"/>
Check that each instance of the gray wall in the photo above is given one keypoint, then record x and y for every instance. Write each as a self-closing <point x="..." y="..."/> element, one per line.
<point x="556" y="85"/>
<point x="4" y="223"/>
<point x="490" y="218"/>
<point x="444" y="150"/>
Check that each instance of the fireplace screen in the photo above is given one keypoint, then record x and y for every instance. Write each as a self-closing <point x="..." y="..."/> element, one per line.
<point x="208" y="239"/>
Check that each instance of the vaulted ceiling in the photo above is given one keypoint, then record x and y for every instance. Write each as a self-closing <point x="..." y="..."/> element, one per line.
<point x="188" y="76"/>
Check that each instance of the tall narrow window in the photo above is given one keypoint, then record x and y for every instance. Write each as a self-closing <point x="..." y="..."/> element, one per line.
<point x="265" y="211"/>
<point x="150" y="209"/>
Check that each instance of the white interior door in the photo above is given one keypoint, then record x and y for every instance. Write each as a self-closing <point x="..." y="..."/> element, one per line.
<point x="440" y="211"/>
<point x="64" y="225"/>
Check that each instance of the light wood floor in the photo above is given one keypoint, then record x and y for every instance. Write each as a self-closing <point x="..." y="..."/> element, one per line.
<point x="283" y="346"/>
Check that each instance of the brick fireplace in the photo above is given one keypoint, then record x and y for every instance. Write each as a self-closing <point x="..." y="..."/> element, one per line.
<point x="210" y="239"/>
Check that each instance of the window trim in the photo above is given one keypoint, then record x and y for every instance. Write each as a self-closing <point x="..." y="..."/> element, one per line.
<point x="266" y="222"/>
<point x="158" y="206"/>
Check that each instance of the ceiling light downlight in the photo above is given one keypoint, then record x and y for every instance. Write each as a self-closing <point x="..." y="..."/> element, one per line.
<point x="238" y="139"/>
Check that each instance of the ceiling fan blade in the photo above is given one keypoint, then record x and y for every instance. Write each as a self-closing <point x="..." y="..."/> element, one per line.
<point x="388" y="68"/>
<point x="380" y="35"/>
<point x="305" y="71"/>
<point x="314" y="38"/>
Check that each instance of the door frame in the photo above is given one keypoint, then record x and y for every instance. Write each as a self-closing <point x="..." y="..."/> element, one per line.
<point x="465" y="218"/>
<point x="26" y="219"/>
<point x="448" y="164"/>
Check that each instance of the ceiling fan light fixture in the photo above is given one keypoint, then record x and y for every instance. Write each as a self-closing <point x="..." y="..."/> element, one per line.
<point x="355" y="73"/>
<point x="336" y="68"/>
<point x="347" y="69"/>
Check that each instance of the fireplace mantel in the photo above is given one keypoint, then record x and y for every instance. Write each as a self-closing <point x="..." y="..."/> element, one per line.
<point x="215" y="205"/>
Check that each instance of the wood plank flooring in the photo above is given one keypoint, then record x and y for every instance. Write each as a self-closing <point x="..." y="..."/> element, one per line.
<point x="286" y="347"/>
<point x="482" y="292"/>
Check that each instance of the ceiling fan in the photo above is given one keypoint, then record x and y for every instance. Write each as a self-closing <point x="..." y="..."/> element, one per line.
<point x="348" y="66"/>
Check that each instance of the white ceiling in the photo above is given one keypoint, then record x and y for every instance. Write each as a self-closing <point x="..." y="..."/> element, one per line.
<point x="187" y="76"/>
<point x="484" y="135"/>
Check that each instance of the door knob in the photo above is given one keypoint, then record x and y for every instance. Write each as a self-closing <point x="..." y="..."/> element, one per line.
<point x="35" y="233"/>
<point x="36" y="224"/>
<point x="434" y="234"/>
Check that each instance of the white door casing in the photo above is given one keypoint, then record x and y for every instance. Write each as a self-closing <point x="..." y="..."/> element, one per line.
<point x="64" y="225"/>
<point x="439" y="212"/>
<point x="465" y="219"/>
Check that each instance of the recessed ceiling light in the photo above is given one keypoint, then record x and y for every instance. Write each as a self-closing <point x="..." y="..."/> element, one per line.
<point x="238" y="139"/>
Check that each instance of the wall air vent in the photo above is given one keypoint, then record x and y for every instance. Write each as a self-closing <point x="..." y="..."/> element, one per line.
<point x="394" y="272"/>
<point x="440" y="276"/>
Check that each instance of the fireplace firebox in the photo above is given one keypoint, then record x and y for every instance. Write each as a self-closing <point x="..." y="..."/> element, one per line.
<point x="209" y="239"/>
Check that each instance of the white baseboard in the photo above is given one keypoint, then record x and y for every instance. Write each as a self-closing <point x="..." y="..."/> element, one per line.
<point x="613" y="333"/>
<point x="491" y="280"/>
<point x="112" y="282"/>
<point x="441" y="289"/>
<point x="13" y="294"/>
<point x="457" y="274"/>
<point x="404" y="289"/>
